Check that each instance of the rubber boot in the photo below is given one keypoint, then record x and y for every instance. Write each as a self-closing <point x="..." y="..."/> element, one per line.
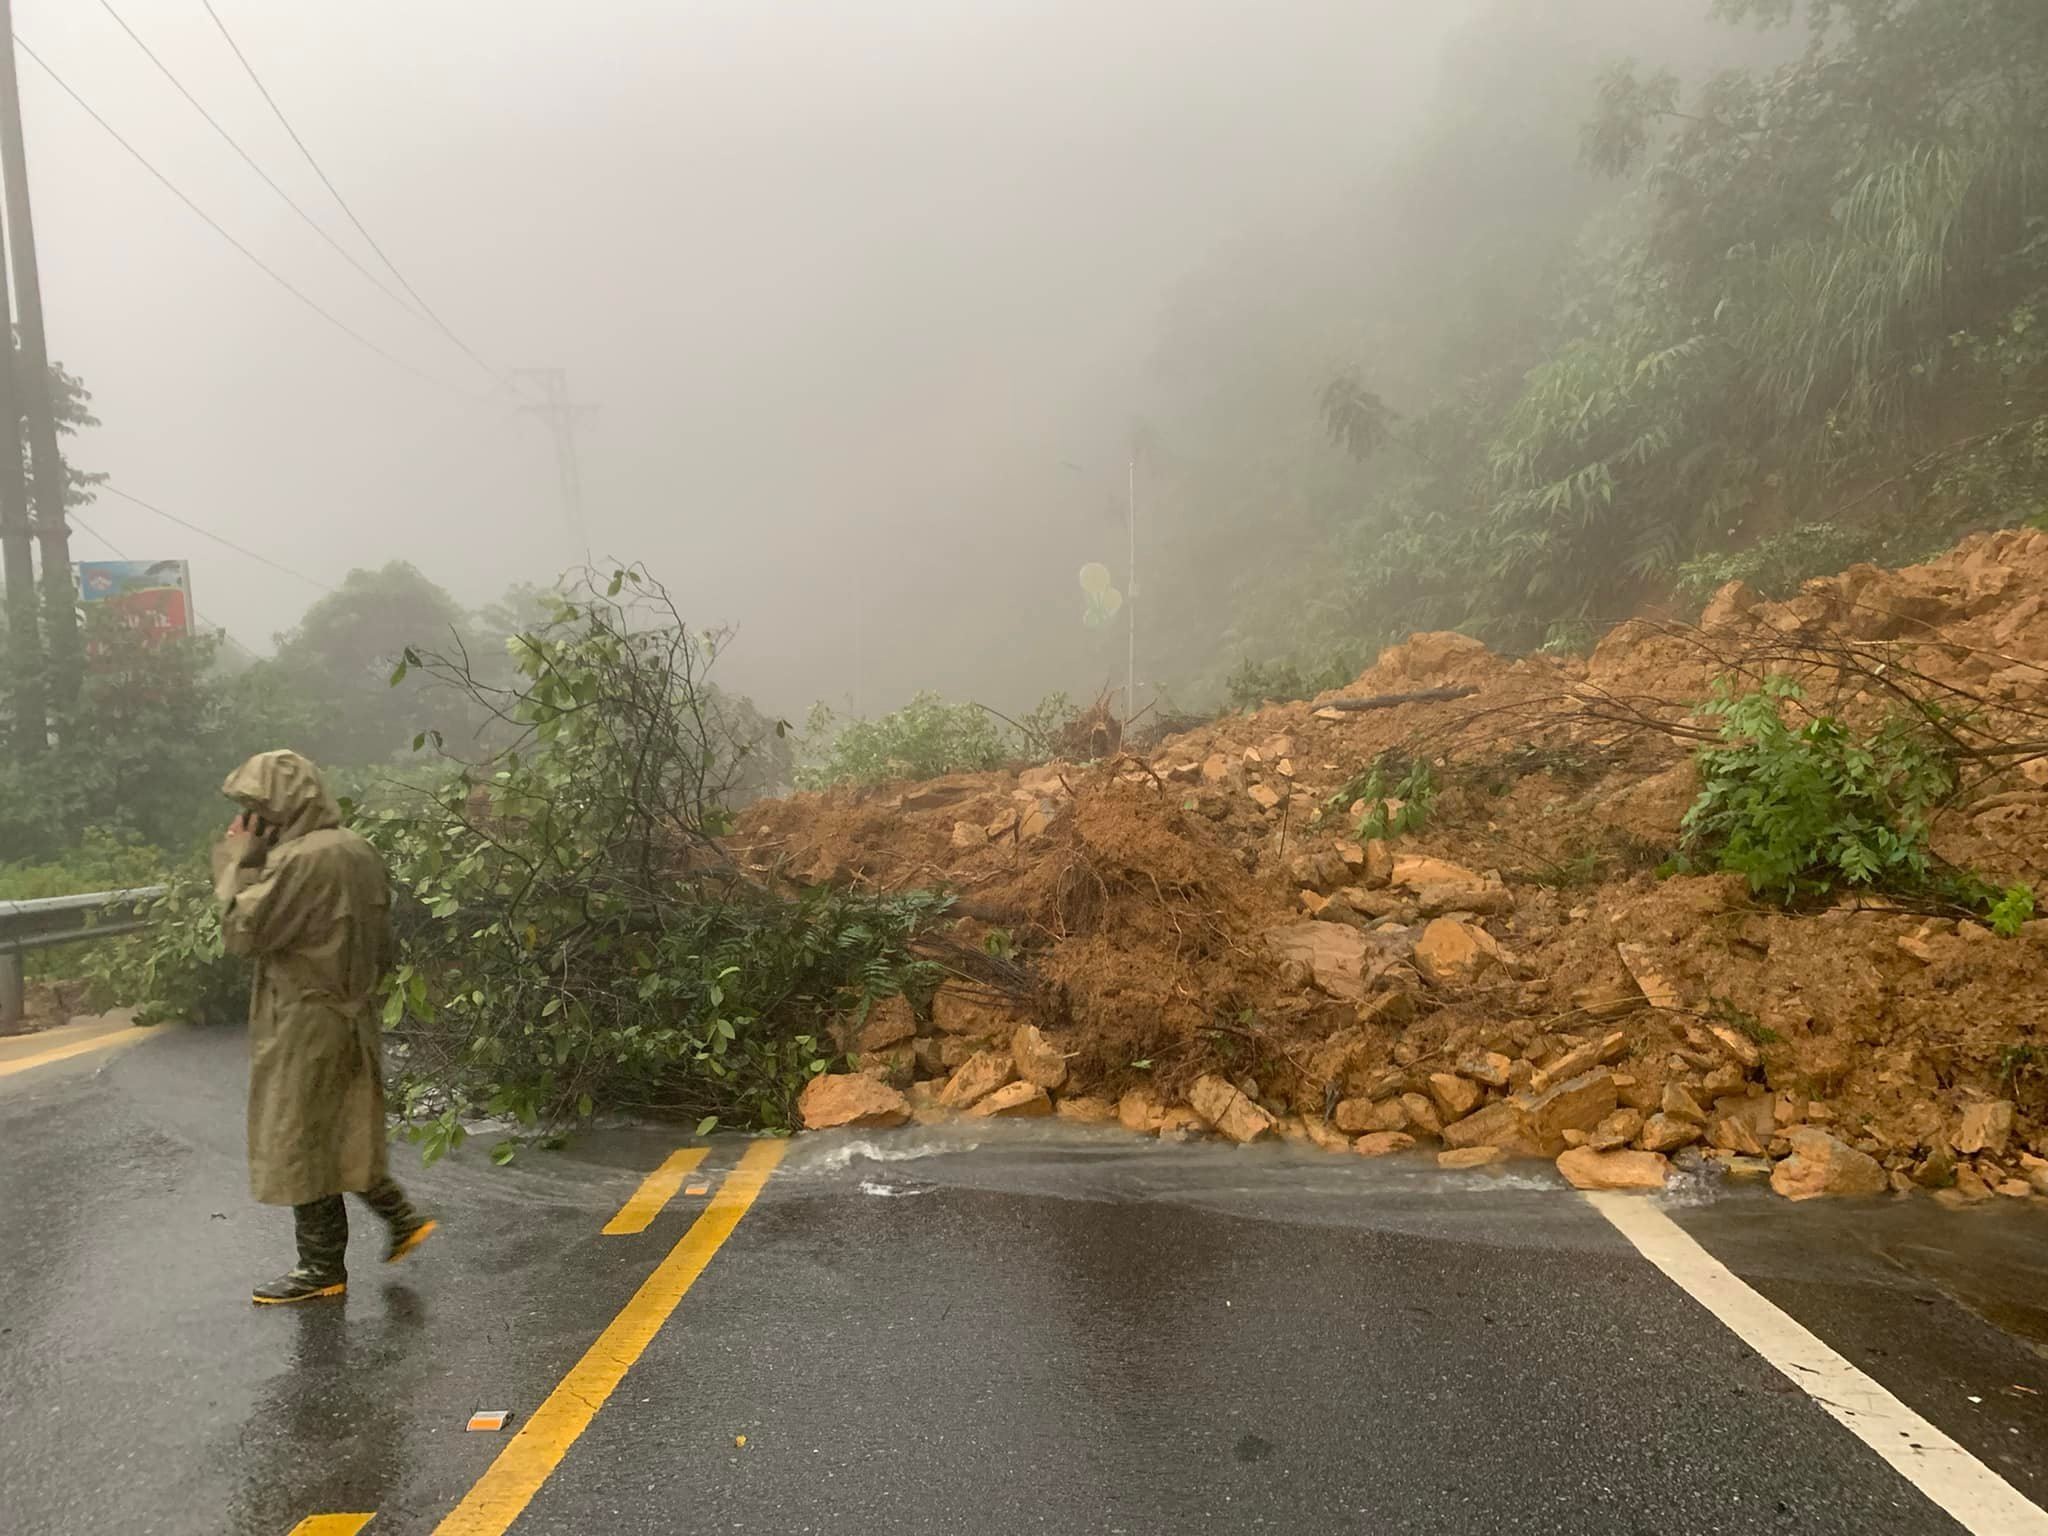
<point x="407" y="1226"/>
<point x="322" y="1227"/>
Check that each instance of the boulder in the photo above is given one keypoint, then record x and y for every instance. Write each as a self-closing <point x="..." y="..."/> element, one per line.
<point x="850" y="1099"/>
<point x="1969" y="1186"/>
<point x="1038" y="1059"/>
<point x="1018" y="1100"/>
<point x="1616" y="1131"/>
<point x="1140" y="1112"/>
<point x="1681" y="1105"/>
<point x="1985" y="1127"/>
<point x="1582" y="1058"/>
<point x="1421" y="1115"/>
<point x="1378" y="861"/>
<point x="889" y="1022"/>
<point x="1337" y="956"/>
<point x="1666" y="1132"/>
<point x="1744" y="1125"/>
<point x="1657" y="988"/>
<point x="968" y="834"/>
<point x="1225" y="1108"/>
<point x="1086" y="1109"/>
<point x="1577" y="1105"/>
<point x="1264" y="798"/>
<point x="1381" y="1143"/>
<point x="1820" y="1165"/>
<point x="1454" y="953"/>
<point x="1503" y="1125"/>
<point x="1457" y="1158"/>
<point x="1738" y="1045"/>
<point x="956" y="1011"/>
<point x="1441" y="886"/>
<point x="1724" y="1080"/>
<point x="1323" y="1134"/>
<point x="1935" y="1171"/>
<point x="1488" y="1067"/>
<point x="1356" y="1116"/>
<point x="1455" y="1097"/>
<point x="1583" y="1168"/>
<point x="979" y="1076"/>
<point x="1181" y="1123"/>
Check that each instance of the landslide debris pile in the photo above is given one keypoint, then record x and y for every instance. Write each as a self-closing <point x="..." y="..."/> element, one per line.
<point x="1196" y="942"/>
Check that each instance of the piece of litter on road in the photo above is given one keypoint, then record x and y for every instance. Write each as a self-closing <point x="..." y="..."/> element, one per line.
<point x="2019" y="1391"/>
<point x="697" y="1189"/>
<point x="1976" y="1399"/>
<point x="740" y="1441"/>
<point x="489" y="1419"/>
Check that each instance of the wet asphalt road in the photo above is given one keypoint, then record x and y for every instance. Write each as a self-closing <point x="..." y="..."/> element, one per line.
<point x="1047" y="1332"/>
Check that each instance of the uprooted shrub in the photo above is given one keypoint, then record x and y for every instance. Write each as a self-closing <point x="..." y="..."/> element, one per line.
<point x="574" y="937"/>
<point x="1804" y="810"/>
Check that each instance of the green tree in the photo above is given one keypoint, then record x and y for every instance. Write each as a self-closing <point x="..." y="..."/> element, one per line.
<point x="159" y="728"/>
<point x="341" y="655"/>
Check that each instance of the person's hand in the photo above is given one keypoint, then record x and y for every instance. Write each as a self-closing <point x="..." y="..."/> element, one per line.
<point x="248" y="839"/>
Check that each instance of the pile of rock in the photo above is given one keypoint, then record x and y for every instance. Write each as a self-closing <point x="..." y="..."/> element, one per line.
<point x="968" y="1058"/>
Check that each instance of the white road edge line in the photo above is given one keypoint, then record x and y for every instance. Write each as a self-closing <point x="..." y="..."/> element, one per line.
<point x="1973" y="1495"/>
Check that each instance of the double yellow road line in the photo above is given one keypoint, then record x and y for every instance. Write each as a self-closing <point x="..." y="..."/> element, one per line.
<point x="509" y="1484"/>
<point x="74" y="1045"/>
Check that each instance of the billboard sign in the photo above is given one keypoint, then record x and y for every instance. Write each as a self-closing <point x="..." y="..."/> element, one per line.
<point x="153" y="595"/>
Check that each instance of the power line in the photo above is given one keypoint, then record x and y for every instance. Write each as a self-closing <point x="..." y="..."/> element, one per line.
<point x="150" y="506"/>
<point x="229" y="139"/>
<point x="340" y="201"/>
<point x="78" y="522"/>
<point x="215" y="225"/>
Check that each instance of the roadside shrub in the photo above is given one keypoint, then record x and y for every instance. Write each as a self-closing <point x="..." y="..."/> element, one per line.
<point x="925" y="738"/>
<point x="1286" y="678"/>
<point x="1775" y="566"/>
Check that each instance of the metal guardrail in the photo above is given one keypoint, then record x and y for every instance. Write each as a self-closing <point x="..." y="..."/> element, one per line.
<point x="26" y="925"/>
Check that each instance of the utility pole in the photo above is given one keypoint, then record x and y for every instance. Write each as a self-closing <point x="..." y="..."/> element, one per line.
<point x="32" y="378"/>
<point x="17" y="552"/>
<point x="561" y="414"/>
<point x="1130" y="591"/>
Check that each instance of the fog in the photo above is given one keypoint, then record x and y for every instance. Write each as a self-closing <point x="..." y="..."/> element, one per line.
<point x="865" y="298"/>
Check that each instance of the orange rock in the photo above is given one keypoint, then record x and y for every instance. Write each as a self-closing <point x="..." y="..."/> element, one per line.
<point x="1012" y="1101"/>
<point x="1140" y="1112"/>
<point x="1038" y="1059"/>
<point x="1457" y="1158"/>
<point x="1455" y="1097"/>
<point x="850" y="1099"/>
<point x="1583" y="1168"/>
<point x="889" y="1022"/>
<point x="979" y="1076"/>
<point x="1454" y="953"/>
<point x="1381" y="1143"/>
<point x="1086" y="1109"/>
<point x="1223" y="1105"/>
<point x="1820" y="1165"/>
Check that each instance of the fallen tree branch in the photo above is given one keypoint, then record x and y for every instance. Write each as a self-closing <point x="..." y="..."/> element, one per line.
<point x="1389" y="700"/>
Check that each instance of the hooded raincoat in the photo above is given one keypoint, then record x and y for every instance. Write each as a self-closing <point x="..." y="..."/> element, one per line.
<point x="315" y="916"/>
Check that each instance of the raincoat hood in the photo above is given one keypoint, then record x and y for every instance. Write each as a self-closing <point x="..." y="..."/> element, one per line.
<point x="285" y="789"/>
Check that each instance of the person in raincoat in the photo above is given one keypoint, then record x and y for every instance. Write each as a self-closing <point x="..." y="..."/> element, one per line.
<point x="309" y="902"/>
